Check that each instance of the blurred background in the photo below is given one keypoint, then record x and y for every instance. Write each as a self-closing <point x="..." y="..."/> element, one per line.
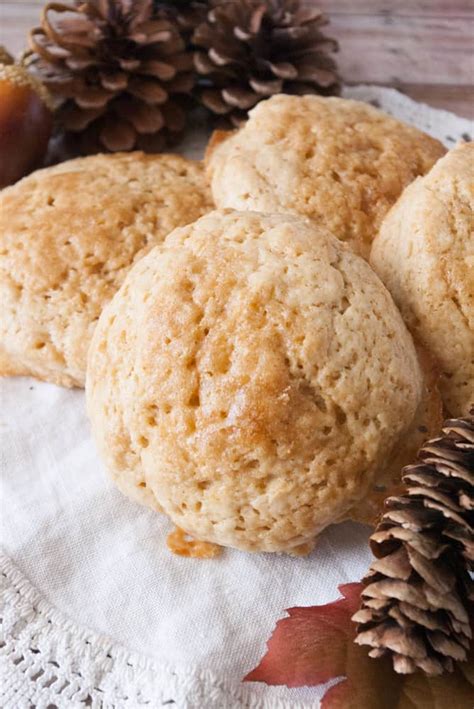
<point x="424" y="48"/>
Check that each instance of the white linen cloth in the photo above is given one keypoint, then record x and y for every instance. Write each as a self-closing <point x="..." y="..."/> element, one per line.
<point x="96" y="611"/>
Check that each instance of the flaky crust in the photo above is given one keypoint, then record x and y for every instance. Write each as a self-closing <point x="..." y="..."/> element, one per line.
<point x="425" y="255"/>
<point x="250" y="377"/>
<point x="340" y="162"/>
<point x="68" y="235"/>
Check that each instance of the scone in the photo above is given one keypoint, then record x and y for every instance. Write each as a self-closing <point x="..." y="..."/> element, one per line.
<point x="68" y="235"/>
<point x="250" y="378"/>
<point x="340" y="162"/>
<point x="425" y="255"/>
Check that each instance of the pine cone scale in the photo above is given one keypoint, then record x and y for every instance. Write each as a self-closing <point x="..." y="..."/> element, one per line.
<point x="450" y="602"/>
<point x="93" y="98"/>
<point x="129" y="65"/>
<point x="161" y="70"/>
<point x="202" y="63"/>
<point x="266" y="88"/>
<point x="389" y="636"/>
<point x="324" y="77"/>
<point x="283" y="70"/>
<point x="213" y="100"/>
<point x="64" y="87"/>
<point x="395" y="613"/>
<point x="396" y="565"/>
<point x="434" y="495"/>
<point x="221" y="57"/>
<point x="410" y="518"/>
<point x="114" y="81"/>
<point x="431" y="455"/>
<point x="75" y="119"/>
<point x="40" y="45"/>
<point x="78" y="63"/>
<point x="438" y="576"/>
<point x="426" y="545"/>
<point x="144" y="118"/>
<point x="148" y="91"/>
<point x="256" y="18"/>
<point x="239" y="98"/>
<point x="426" y="619"/>
<point x="117" y="135"/>
<point x="181" y="84"/>
<point x="444" y="645"/>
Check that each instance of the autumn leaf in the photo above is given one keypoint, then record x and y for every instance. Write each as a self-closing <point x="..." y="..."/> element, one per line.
<point x="316" y="644"/>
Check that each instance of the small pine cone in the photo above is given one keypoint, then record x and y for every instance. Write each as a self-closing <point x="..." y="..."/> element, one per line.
<point x="418" y="594"/>
<point x="119" y="72"/>
<point x="248" y="50"/>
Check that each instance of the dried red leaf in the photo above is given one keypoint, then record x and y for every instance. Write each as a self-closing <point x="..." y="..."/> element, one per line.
<point x="294" y="654"/>
<point x="316" y="644"/>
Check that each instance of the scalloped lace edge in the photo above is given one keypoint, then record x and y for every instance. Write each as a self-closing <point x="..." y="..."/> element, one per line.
<point x="49" y="662"/>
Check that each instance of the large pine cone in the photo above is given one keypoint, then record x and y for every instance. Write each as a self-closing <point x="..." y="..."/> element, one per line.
<point x="419" y="593"/>
<point x="248" y="50"/>
<point x="119" y="70"/>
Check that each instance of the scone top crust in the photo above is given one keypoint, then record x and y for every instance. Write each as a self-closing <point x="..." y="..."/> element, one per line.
<point x="425" y="255"/>
<point x="340" y="162"/>
<point x="68" y="235"/>
<point x="249" y="377"/>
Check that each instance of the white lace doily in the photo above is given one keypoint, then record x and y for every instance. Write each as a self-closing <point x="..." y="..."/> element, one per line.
<point x="48" y="662"/>
<point x="168" y="632"/>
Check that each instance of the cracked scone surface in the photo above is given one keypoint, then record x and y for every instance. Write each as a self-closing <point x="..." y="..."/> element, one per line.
<point x="68" y="235"/>
<point x="249" y="377"/>
<point x="425" y="255"/>
<point x="340" y="162"/>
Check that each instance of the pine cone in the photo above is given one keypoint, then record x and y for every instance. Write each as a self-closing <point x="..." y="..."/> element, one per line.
<point x="415" y="606"/>
<point x="119" y="70"/>
<point x="248" y="50"/>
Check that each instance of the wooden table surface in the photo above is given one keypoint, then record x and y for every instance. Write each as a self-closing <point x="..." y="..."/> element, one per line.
<point x="424" y="48"/>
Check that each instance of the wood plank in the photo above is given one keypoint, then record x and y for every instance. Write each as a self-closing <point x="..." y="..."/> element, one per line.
<point x="430" y="8"/>
<point x="388" y="50"/>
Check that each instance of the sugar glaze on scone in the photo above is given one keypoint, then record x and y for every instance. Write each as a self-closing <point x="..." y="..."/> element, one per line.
<point x="251" y="375"/>
<point x="341" y="162"/>
<point x="68" y="235"/>
<point x="425" y="255"/>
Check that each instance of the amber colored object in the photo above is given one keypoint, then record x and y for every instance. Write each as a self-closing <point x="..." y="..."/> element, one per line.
<point x="25" y="123"/>
<point x="182" y="544"/>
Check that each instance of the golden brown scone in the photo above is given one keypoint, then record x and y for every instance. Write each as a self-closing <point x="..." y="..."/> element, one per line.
<point x="425" y="255"/>
<point x="340" y="162"/>
<point x="426" y="424"/>
<point x="251" y="376"/>
<point x="68" y="235"/>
